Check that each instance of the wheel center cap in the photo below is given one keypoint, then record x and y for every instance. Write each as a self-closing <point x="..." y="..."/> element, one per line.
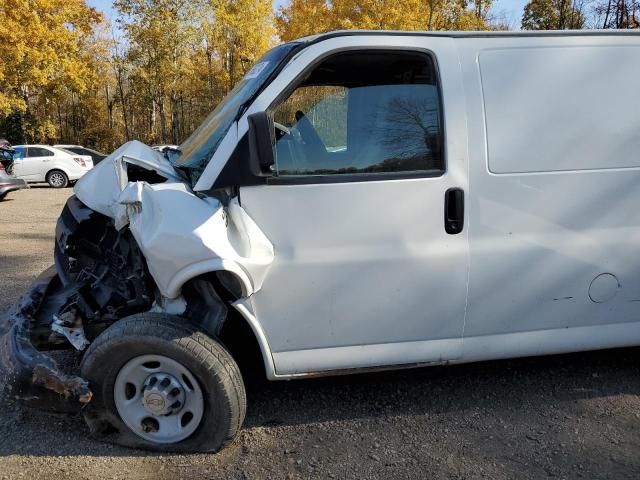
<point x="154" y="402"/>
<point x="162" y="394"/>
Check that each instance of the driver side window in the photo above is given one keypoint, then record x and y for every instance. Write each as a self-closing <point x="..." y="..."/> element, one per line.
<point x="325" y="107"/>
<point x="367" y="112"/>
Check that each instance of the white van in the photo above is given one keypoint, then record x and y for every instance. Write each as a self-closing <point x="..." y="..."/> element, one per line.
<point x="361" y="200"/>
<point x="56" y="166"/>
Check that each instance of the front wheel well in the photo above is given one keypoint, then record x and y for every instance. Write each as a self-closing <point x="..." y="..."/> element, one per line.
<point x="241" y="341"/>
<point x="209" y="300"/>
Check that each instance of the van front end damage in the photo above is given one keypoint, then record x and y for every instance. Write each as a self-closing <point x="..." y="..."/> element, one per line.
<point x="135" y="238"/>
<point x="99" y="277"/>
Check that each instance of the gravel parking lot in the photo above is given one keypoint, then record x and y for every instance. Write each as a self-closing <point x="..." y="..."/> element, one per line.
<point x="573" y="416"/>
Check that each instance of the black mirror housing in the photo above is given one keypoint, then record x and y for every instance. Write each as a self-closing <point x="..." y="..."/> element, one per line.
<point x="261" y="144"/>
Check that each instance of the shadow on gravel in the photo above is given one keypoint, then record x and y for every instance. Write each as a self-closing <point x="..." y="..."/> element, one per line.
<point x="487" y="386"/>
<point x="46" y="237"/>
<point x="46" y="185"/>
<point x="524" y="393"/>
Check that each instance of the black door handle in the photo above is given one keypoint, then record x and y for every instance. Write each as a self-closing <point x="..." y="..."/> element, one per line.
<point x="453" y="211"/>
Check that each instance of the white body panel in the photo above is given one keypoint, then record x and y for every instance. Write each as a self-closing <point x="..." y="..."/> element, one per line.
<point x="35" y="168"/>
<point x="539" y="242"/>
<point x="545" y="231"/>
<point x="542" y="134"/>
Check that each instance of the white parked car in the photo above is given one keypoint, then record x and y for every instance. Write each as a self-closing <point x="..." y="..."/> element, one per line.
<point x="361" y="200"/>
<point x="56" y="166"/>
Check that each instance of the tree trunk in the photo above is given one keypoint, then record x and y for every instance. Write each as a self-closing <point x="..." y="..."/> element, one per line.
<point x="123" y="103"/>
<point x="109" y="105"/>
<point x="175" y="121"/>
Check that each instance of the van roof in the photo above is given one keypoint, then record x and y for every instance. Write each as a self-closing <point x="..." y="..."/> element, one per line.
<point x="473" y="34"/>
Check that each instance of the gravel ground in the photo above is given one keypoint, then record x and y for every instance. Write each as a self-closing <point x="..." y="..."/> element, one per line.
<point x="572" y="416"/>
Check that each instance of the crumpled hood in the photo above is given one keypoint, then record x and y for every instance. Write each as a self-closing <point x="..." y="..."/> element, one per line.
<point x="100" y="188"/>
<point x="181" y="234"/>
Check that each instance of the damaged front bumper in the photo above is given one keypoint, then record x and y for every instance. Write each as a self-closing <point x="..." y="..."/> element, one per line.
<point x="31" y="376"/>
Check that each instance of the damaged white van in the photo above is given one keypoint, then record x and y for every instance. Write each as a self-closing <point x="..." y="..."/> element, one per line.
<point x="361" y="200"/>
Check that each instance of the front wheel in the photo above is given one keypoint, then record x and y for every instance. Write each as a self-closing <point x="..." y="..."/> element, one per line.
<point x="57" y="179"/>
<point x="161" y="385"/>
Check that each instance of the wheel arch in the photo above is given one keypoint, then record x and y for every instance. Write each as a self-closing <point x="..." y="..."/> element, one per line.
<point x="56" y="168"/>
<point x="240" y="320"/>
<point x="213" y="266"/>
<point x="244" y="310"/>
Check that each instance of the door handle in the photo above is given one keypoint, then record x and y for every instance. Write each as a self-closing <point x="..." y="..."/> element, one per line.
<point x="454" y="211"/>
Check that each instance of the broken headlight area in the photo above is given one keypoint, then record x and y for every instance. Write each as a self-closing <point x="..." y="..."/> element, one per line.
<point x="103" y="274"/>
<point x="100" y="276"/>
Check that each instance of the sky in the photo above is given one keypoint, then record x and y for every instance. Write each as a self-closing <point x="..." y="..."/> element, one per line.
<point x="508" y="11"/>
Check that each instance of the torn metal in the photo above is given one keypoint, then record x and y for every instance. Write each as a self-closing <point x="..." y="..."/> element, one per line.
<point x="70" y="325"/>
<point x="28" y="374"/>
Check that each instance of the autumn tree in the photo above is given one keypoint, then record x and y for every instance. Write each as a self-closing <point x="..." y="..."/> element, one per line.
<point x="157" y="32"/>
<point x="66" y="77"/>
<point x="239" y="31"/>
<point x="300" y="18"/>
<point x="617" y="14"/>
<point x="553" y="15"/>
<point x="180" y="58"/>
<point x="43" y="57"/>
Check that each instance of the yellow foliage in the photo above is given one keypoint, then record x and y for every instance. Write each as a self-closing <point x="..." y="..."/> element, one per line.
<point x="240" y="31"/>
<point x="42" y="45"/>
<point x="300" y="18"/>
<point x="63" y="78"/>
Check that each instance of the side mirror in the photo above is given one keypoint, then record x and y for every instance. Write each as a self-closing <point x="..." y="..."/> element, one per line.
<point x="261" y="144"/>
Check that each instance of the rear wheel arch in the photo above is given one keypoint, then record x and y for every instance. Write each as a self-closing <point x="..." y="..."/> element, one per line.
<point x="48" y="177"/>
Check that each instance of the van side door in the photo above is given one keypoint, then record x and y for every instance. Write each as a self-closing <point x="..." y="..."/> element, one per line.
<point x="365" y="206"/>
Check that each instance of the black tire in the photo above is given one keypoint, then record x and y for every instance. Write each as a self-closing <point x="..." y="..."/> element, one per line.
<point x="162" y="334"/>
<point x="57" y="179"/>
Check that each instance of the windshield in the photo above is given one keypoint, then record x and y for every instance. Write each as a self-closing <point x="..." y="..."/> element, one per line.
<point x="198" y="149"/>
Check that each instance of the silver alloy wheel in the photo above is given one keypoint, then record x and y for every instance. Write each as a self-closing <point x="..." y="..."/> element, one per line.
<point x="56" y="179"/>
<point x="158" y="399"/>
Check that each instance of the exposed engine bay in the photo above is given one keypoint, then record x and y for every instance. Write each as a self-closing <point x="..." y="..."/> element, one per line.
<point x="103" y="277"/>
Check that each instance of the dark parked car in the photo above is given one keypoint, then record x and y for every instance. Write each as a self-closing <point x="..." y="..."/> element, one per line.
<point x="80" y="150"/>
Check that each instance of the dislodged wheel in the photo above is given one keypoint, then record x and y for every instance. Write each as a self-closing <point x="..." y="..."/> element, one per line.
<point x="161" y="385"/>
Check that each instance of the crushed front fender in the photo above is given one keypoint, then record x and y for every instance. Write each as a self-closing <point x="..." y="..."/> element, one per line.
<point x="29" y="375"/>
